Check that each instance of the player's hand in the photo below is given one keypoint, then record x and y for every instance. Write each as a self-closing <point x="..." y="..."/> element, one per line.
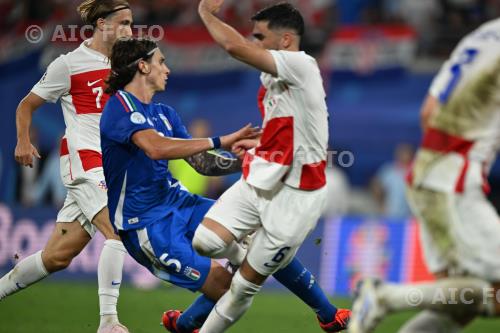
<point x="211" y="6"/>
<point x="239" y="148"/>
<point x="24" y="153"/>
<point x="247" y="132"/>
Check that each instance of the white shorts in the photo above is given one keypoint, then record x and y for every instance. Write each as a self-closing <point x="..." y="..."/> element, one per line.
<point x="460" y="233"/>
<point x="282" y="218"/>
<point x="87" y="196"/>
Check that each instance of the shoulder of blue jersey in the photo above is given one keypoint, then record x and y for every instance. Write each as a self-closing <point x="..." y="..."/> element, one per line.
<point x="126" y="101"/>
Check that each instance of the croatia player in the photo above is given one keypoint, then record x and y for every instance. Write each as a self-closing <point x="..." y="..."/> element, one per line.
<point x="155" y="216"/>
<point x="282" y="193"/>
<point x="447" y="192"/>
<point x="77" y="79"/>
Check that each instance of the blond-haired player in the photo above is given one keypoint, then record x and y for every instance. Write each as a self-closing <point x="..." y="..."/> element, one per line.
<point x="77" y="80"/>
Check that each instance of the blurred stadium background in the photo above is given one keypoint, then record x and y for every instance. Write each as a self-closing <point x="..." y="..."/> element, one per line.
<point x="378" y="59"/>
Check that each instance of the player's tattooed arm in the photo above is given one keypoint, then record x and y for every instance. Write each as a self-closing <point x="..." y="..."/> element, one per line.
<point x="214" y="163"/>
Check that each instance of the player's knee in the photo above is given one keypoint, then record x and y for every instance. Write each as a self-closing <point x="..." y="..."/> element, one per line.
<point x="207" y="243"/>
<point x="54" y="262"/>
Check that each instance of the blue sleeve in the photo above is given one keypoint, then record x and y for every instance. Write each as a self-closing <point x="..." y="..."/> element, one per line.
<point x="178" y="128"/>
<point x="118" y="124"/>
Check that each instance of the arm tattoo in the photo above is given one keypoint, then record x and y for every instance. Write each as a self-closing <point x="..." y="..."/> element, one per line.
<point x="214" y="163"/>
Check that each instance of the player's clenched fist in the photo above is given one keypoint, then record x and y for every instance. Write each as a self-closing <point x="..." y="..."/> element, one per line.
<point x="239" y="148"/>
<point x="24" y="153"/>
<point x="211" y="6"/>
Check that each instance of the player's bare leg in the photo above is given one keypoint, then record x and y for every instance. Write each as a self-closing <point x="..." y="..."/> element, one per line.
<point x="109" y="273"/>
<point x="428" y="321"/>
<point x="436" y="322"/>
<point x="65" y="243"/>
<point x="460" y="297"/>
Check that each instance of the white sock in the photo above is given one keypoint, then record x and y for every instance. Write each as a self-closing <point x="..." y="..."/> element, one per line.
<point x="25" y="273"/>
<point x="449" y="295"/>
<point x="109" y="277"/>
<point x="232" y="305"/>
<point x="431" y="322"/>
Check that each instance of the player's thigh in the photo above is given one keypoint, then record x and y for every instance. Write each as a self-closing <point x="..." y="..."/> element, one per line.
<point x="433" y="210"/>
<point x="166" y="251"/>
<point x="90" y="195"/>
<point x="71" y="211"/>
<point x="236" y="211"/>
<point x="288" y="217"/>
<point x="291" y="214"/>
<point x="268" y="254"/>
<point x="477" y="231"/>
<point x="102" y="222"/>
<point x="201" y="207"/>
<point x="217" y="282"/>
<point x="66" y="241"/>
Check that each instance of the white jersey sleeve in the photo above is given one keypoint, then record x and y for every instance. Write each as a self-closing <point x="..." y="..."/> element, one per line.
<point x="453" y="69"/>
<point x="55" y="82"/>
<point x="293" y="67"/>
<point x="440" y="81"/>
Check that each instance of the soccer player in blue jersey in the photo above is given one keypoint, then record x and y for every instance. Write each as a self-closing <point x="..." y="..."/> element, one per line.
<point x="154" y="215"/>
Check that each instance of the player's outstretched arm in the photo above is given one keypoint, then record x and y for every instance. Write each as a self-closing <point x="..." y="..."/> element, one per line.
<point x="158" y="147"/>
<point x="25" y="150"/>
<point x="232" y="41"/>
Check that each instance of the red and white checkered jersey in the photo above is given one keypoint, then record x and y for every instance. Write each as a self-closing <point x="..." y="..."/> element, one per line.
<point x="77" y="79"/>
<point x="293" y="146"/>
<point x="464" y="134"/>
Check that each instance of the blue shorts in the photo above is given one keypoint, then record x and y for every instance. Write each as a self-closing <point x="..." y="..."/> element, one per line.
<point x="164" y="247"/>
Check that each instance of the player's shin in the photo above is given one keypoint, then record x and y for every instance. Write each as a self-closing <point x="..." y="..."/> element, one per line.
<point x="109" y="275"/>
<point x="231" y="306"/>
<point x="195" y="315"/>
<point x="25" y="273"/>
<point x="302" y="283"/>
<point x="431" y="322"/>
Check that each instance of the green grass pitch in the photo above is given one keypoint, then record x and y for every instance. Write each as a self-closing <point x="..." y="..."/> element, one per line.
<point x="52" y="307"/>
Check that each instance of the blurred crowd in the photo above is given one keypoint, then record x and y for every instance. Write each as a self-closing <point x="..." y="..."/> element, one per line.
<point x="438" y="23"/>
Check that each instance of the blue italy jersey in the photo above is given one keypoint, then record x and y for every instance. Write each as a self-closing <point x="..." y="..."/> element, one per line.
<point x="140" y="190"/>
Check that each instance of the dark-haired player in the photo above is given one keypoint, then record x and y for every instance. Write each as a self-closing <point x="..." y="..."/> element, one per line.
<point x="282" y="192"/>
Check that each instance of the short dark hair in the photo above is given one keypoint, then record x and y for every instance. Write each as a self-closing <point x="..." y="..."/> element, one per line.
<point x="282" y="16"/>
<point x="125" y="57"/>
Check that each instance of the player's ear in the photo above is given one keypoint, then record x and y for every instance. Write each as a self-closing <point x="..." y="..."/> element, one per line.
<point x="286" y="40"/>
<point x="144" y="67"/>
<point x="100" y="23"/>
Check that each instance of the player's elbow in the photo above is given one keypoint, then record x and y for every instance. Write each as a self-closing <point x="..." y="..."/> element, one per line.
<point x="234" y="49"/>
<point x="153" y="152"/>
